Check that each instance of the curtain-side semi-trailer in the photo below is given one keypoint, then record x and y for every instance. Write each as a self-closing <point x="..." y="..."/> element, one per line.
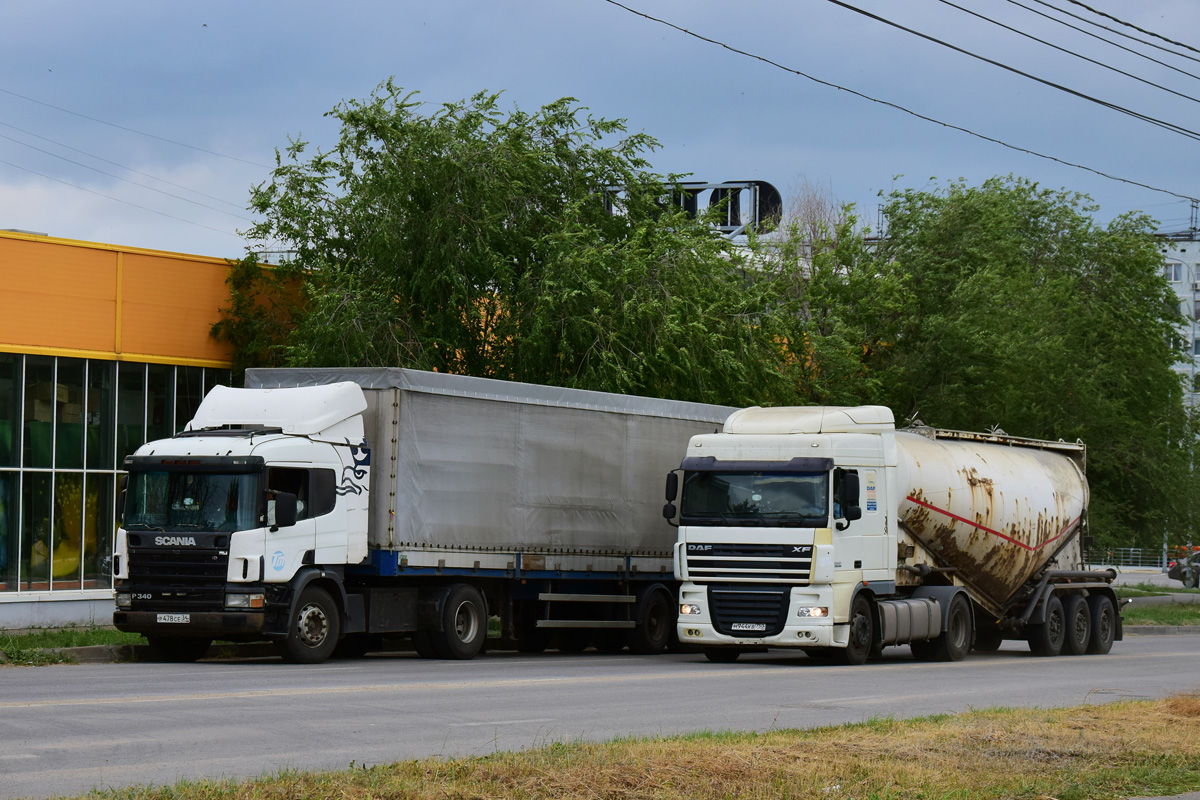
<point x="824" y="528"/>
<point x="320" y="507"/>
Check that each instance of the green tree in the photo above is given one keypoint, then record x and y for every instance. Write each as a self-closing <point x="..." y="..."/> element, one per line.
<point x="472" y="240"/>
<point x="1024" y="314"/>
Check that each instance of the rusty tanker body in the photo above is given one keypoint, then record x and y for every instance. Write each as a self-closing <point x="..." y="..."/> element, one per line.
<point x="827" y="529"/>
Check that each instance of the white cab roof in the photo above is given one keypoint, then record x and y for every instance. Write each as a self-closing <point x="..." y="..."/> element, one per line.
<point x="811" y="419"/>
<point x="322" y="412"/>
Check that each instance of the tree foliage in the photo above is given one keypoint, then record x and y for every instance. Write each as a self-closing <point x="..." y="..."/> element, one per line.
<point x="472" y="240"/>
<point x="540" y="247"/>
<point x="1006" y="306"/>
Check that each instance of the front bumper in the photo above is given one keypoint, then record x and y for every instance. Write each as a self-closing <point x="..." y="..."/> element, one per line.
<point x="796" y="631"/>
<point x="217" y="624"/>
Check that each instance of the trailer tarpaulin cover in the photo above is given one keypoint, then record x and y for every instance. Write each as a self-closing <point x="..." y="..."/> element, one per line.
<point x="484" y="464"/>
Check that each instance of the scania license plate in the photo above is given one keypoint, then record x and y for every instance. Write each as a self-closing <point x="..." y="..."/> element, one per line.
<point x="175" y="618"/>
<point x="747" y="626"/>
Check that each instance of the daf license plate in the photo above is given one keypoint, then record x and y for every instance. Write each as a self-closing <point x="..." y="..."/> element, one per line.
<point x="741" y="626"/>
<point x="175" y="618"/>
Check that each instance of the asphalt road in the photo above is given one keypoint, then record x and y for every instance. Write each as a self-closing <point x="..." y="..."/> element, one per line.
<point x="65" y="729"/>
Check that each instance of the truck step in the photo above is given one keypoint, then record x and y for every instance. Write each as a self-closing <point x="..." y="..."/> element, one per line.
<point x="585" y="623"/>
<point x="587" y="598"/>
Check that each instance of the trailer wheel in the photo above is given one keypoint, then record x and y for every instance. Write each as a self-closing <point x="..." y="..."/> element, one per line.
<point x="862" y="632"/>
<point x="722" y="655"/>
<point x="313" y="630"/>
<point x="1078" y="618"/>
<point x="655" y="615"/>
<point x="955" y="641"/>
<point x="1104" y="624"/>
<point x="464" y="624"/>
<point x="178" y="649"/>
<point x="1046" y="638"/>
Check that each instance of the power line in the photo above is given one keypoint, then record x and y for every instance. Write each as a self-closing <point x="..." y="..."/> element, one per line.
<point x="1068" y="52"/>
<point x="1118" y="33"/>
<point x="126" y="180"/>
<point x="1099" y="37"/>
<point x="122" y="166"/>
<point x="117" y="199"/>
<point x="1170" y="126"/>
<point x="132" y="130"/>
<point x="1135" y="27"/>
<point x="890" y="104"/>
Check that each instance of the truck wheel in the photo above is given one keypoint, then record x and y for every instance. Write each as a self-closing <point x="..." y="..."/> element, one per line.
<point x="313" y="630"/>
<point x="862" y="632"/>
<point x="464" y="624"/>
<point x="1046" y="638"/>
<point x="655" y="616"/>
<point x="955" y="641"/>
<point x="1078" y="618"/>
<point x="1104" y="624"/>
<point x="722" y="655"/>
<point x="178" y="649"/>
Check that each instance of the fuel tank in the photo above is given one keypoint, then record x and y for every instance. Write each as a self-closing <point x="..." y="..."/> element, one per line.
<point x="994" y="508"/>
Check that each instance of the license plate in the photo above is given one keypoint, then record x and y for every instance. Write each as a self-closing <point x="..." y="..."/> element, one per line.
<point x="748" y="626"/>
<point x="175" y="618"/>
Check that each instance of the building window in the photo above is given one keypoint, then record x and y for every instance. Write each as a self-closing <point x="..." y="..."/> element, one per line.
<point x="1173" y="270"/>
<point x="66" y="425"/>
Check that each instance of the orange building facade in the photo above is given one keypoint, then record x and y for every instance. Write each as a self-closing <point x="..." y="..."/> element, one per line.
<point x="101" y="349"/>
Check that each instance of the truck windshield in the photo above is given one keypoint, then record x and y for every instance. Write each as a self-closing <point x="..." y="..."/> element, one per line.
<point x="788" y="499"/>
<point x="203" y="501"/>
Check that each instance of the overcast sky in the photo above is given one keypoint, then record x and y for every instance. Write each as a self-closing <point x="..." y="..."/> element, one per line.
<point x="192" y="98"/>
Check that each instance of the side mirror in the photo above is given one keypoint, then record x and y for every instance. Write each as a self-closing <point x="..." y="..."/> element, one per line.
<point x="850" y="490"/>
<point x="285" y="510"/>
<point x="672" y="487"/>
<point x="121" y="498"/>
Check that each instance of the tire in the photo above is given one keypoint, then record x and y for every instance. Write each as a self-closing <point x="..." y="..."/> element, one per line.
<point x="655" y="615"/>
<point x="988" y="639"/>
<point x="862" y="632"/>
<point x="955" y="641"/>
<point x="1104" y="624"/>
<point x="464" y="624"/>
<point x="722" y="655"/>
<point x="313" y="629"/>
<point x="1046" y="638"/>
<point x="1078" y="627"/>
<point x="178" y="649"/>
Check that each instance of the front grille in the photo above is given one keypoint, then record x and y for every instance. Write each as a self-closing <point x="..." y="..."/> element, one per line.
<point x="165" y="579"/>
<point x="748" y="611"/>
<point x="756" y="563"/>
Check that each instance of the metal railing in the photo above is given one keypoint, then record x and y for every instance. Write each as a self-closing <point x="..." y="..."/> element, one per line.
<point x="1144" y="557"/>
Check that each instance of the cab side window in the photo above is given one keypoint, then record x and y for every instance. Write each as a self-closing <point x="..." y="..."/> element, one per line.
<point x="314" y="489"/>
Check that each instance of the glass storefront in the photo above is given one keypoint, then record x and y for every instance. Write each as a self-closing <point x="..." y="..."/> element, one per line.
<point x="66" y="425"/>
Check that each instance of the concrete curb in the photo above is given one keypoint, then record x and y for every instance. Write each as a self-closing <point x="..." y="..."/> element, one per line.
<point x="1161" y="630"/>
<point x="1166" y="600"/>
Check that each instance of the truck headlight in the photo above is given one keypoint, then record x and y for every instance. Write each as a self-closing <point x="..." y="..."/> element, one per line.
<point x="244" y="600"/>
<point x="124" y="599"/>
<point x="688" y="608"/>
<point x="812" y="611"/>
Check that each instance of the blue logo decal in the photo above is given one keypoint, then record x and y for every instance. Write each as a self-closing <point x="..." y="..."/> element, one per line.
<point x="278" y="560"/>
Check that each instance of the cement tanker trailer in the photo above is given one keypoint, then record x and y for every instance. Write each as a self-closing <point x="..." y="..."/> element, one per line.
<point x="824" y="528"/>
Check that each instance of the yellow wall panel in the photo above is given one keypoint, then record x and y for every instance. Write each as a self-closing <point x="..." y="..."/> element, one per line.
<point x="54" y="295"/>
<point x="62" y="295"/>
<point x="169" y="305"/>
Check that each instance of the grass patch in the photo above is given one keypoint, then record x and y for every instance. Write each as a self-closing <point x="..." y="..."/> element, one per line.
<point x="32" y="649"/>
<point x="1113" y="750"/>
<point x="1172" y="614"/>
